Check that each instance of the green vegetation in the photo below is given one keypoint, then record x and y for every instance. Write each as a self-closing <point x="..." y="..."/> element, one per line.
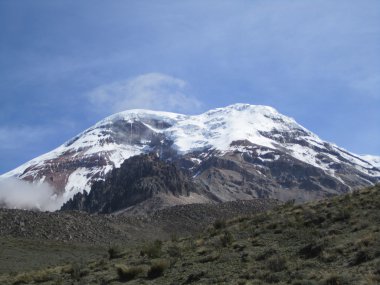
<point x="331" y="242"/>
<point x="115" y="251"/>
<point x="157" y="268"/>
<point x="152" y="250"/>
<point x="126" y="273"/>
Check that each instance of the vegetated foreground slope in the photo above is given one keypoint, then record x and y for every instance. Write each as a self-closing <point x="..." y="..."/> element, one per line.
<point x="31" y="239"/>
<point x="241" y="151"/>
<point x="334" y="241"/>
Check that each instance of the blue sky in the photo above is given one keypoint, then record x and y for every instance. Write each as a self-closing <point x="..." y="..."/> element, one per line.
<point x="64" y="65"/>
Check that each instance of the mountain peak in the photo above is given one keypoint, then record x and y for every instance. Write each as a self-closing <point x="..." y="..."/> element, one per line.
<point x="252" y="108"/>
<point x="263" y="137"/>
<point x="138" y="114"/>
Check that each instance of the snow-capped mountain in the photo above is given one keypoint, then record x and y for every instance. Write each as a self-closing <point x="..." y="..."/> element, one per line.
<point x="236" y="152"/>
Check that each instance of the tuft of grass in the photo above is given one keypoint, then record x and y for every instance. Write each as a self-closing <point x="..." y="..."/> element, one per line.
<point x="220" y="224"/>
<point x="39" y="276"/>
<point x="157" y="269"/>
<point x="210" y="258"/>
<point x="152" y="249"/>
<point x="76" y="270"/>
<point x="226" y="239"/>
<point x="174" y="251"/>
<point x="335" y="279"/>
<point x="127" y="273"/>
<point x="23" y="278"/>
<point x="360" y="257"/>
<point x="115" y="251"/>
<point x="342" y="215"/>
<point x="312" y="250"/>
<point x="276" y="264"/>
<point x="266" y="254"/>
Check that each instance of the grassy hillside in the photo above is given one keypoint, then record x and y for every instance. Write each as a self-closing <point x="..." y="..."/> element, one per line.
<point x="332" y="242"/>
<point x="32" y="240"/>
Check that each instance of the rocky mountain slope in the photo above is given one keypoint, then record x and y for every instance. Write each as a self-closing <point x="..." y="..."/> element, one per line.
<point x="141" y="181"/>
<point x="237" y="152"/>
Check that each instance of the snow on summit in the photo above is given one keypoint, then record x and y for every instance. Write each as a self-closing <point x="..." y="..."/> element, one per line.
<point x="214" y="129"/>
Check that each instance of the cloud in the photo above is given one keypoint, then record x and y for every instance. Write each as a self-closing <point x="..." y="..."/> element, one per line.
<point x="155" y="91"/>
<point x="15" y="193"/>
<point x="12" y="137"/>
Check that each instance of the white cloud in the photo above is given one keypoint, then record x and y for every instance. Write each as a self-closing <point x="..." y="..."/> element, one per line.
<point x="15" y="193"/>
<point x="155" y="91"/>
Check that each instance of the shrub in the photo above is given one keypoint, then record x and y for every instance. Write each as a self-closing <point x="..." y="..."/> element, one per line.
<point x="311" y="250"/>
<point x="239" y="247"/>
<point x="152" y="250"/>
<point x="305" y="282"/>
<point x="289" y="203"/>
<point x="202" y="250"/>
<point x="157" y="269"/>
<point x="195" y="277"/>
<point x="360" y="257"/>
<point x="366" y="241"/>
<point x="75" y="270"/>
<point x="226" y="239"/>
<point x="267" y="253"/>
<point x="42" y="276"/>
<point x="115" y="252"/>
<point x="276" y="264"/>
<point x="219" y="224"/>
<point x="173" y="237"/>
<point x="244" y="257"/>
<point x="126" y="273"/>
<point x="34" y="276"/>
<point x="174" y="251"/>
<point x="342" y="215"/>
<point x="199" y="242"/>
<point x="336" y="280"/>
<point x="210" y="258"/>
<point x="22" y="279"/>
<point x="328" y="256"/>
<point x="377" y="268"/>
<point x="271" y="277"/>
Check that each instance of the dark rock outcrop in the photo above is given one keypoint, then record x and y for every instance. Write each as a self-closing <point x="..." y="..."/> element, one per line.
<point x="140" y="178"/>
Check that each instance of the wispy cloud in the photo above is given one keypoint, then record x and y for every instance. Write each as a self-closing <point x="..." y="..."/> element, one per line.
<point x="15" y="137"/>
<point x="155" y="91"/>
<point x="15" y="193"/>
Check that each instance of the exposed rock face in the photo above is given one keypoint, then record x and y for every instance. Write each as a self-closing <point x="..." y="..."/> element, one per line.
<point x="245" y="175"/>
<point x="237" y="152"/>
<point x="139" y="179"/>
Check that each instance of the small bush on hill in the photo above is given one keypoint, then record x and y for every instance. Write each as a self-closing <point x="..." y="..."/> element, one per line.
<point x="127" y="273"/>
<point x="226" y="239"/>
<point x="115" y="252"/>
<point x="219" y="224"/>
<point x="153" y="249"/>
<point x="157" y="269"/>
<point x="276" y="264"/>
